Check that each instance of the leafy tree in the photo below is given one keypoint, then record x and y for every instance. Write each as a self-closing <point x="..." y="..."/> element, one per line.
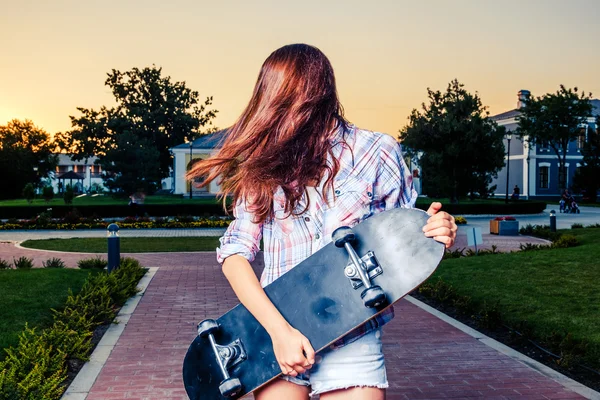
<point x="132" y="139"/>
<point x="48" y="193"/>
<point x="29" y="192"/>
<point x="460" y="147"/>
<point x="554" y="119"/>
<point x="25" y="156"/>
<point x="587" y="177"/>
<point x="68" y="195"/>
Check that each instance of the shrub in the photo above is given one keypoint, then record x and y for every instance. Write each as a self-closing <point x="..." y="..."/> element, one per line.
<point x="4" y="264"/>
<point x="532" y="246"/>
<point x="454" y="253"/>
<point x="72" y="217"/>
<point x="576" y="226"/>
<point x="184" y="218"/>
<point x="92" y="263"/>
<point x="37" y="367"/>
<point x="460" y="220"/>
<point x="565" y="241"/>
<point x="68" y="196"/>
<point x="29" y="192"/>
<point x="53" y="263"/>
<point x="44" y="219"/>
<point x="541" y="231"/>
<point x="48" y="193"/>
<point x="23" y="262"/>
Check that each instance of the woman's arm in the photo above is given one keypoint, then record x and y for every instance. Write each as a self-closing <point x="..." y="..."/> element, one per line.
<point x="293" y="351"/>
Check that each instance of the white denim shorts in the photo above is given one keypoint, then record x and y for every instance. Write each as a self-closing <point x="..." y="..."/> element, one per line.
<point x="359" y="363"/>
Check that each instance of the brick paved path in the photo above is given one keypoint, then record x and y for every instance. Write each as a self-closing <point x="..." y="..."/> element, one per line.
<point x="426" y="357"/>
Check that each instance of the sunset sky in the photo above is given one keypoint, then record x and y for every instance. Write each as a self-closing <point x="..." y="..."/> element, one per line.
<point x="55" y="54"/>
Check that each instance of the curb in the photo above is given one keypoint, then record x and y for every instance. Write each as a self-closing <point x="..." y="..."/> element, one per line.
<point x="83" y="382"/>
<point x="515" y="355"/>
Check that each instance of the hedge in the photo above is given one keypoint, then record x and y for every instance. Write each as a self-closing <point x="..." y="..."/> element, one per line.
<point x="113" y="211"/>
<point x="37" y="367"/>
<point x="164" y="210"/>
<point x="520" y="207"/>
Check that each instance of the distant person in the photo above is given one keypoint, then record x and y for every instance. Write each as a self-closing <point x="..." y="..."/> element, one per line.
<point x="516" y="193"/>
<point x="136" y="202"/>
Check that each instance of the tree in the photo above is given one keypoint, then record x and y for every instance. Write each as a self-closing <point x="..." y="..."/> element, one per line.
<point x="587" y="177"/>
<point x="48" y="193"/>
<point x="460" y="147"/>
<point x="555" y="120"/>
<point x="68" y="195"/>
<point x="132" y="139"/>
<point x="26" y="156"/>
<point x="29" y="192"/>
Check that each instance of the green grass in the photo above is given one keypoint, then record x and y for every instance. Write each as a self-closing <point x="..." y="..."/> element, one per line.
<point x="128" y="245"/>
<point x="107" y="200"/>
<point x="554" y="291"/>
<point x="28" y="296"/>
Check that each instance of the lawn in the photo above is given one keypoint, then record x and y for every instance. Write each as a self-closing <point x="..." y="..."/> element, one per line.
<point x="128" y="245"/>
<point x="28" y="296"/>
<point x="554" y="291"/>
<point x="108" y="200"/>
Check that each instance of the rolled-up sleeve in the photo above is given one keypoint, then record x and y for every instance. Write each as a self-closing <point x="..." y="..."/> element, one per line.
<point x="242" y="236"/>
<point x="394" y="184"/>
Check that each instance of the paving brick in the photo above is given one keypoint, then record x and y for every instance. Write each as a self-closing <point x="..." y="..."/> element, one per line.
<point x="426" y="358"/>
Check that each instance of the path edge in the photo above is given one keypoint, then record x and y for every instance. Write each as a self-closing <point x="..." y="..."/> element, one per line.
<point x="86" y="377"/>
<point x="548" y="372"/>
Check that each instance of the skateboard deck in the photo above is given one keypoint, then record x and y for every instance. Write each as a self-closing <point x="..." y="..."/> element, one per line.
<point x="323" y="297"/>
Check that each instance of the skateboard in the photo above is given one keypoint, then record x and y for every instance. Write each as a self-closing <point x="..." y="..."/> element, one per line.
<point x="363" y="271"/>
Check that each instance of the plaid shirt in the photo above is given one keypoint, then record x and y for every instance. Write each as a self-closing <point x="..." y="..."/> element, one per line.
<point x="375" y="179"/>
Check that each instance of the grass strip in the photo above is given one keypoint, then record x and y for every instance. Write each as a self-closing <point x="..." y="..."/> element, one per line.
<point x="128" y="245"/>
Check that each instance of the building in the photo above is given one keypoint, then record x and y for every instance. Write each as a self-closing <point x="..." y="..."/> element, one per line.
<point x="534" y="168"/>
<point x="81" y="175"/>
<point x="184" y="155"/>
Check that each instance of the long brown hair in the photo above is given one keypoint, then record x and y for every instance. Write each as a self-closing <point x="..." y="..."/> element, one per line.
<point x="283" y="137"/>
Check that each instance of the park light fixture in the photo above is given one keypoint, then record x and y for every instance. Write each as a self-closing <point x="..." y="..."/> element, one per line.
<point x="508" y="137"/>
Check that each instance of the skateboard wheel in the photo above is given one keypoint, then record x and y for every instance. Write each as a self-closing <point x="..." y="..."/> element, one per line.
<point x="342" y="235"/>
<point x="373" y="297"/>
<point x="207" y="327"/>
<point x="230" y="387"/>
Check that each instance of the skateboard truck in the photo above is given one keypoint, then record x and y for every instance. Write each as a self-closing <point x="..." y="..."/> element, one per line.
<point x="373" y="296"/>
<point x="227" y="356"/>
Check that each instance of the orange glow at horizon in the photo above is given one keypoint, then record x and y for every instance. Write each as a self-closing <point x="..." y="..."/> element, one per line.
<point x="385" y="55"/>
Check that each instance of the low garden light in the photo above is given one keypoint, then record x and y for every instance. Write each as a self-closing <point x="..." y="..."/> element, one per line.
<point x="114" y="247"/>
<point x="553" y="221"/>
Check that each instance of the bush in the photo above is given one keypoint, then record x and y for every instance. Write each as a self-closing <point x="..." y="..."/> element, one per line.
<point x="532" y="246"/>
<point x="92" y="263"/>
<point x="37" y="367"/>
<point x="53" y="263"/>
<point x="68" y="196"/>
<point x="4" y="264"/>
<point x="541" y="231"/>
<point x="23" y="262"/>
<point x="460" y="220"/>
<point x="48" y="193"/>
<point x="576" y="226"/>
<point x="565" y="241"/>
<point x="29" y="192"/>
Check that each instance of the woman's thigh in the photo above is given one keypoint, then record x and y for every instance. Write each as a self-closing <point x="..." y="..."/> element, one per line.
<point x="356" y="393"/>
<point x="282" y="389"/>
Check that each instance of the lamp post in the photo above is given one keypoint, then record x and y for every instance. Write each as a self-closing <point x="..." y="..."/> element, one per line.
<point x="190" y="164"/>
<point x="90" y="185"/>
<point x="508" y="137"/>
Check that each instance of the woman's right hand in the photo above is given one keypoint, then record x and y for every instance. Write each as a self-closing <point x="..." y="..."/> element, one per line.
<point x="293" y="351"/>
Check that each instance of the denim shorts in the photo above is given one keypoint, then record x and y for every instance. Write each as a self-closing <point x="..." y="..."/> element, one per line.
<point x="359" y="363"/>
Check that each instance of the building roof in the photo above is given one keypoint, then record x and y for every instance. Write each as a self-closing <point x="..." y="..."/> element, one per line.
<point x="65" y="159"/>
<point x="208" y="141"/>
<point x="71" y="175"/>
<point x="514" y="113"/>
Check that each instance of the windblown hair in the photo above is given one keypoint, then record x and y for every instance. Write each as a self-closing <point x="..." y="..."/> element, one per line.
<point x="283" y="137"/>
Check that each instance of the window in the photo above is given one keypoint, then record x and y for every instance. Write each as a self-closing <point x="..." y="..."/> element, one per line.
<point x="544" y="145"/>
<point x="581" y="139"/>
<point x="544" y="177"/>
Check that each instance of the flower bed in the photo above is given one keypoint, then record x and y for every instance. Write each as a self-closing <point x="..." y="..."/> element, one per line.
<point x="127" y="223"/>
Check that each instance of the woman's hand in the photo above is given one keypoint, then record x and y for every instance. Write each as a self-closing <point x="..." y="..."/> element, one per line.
<point x="440" y="225"/>
<point x="293" y="351"/>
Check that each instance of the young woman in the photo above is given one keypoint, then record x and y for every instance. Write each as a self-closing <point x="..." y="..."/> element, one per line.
<point x="298" y="170"/>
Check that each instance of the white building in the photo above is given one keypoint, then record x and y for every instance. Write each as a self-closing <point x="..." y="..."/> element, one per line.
<point x="82" y="175"/>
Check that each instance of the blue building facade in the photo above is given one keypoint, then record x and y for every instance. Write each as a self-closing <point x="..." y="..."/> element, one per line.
<point x="534" y="169"/>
